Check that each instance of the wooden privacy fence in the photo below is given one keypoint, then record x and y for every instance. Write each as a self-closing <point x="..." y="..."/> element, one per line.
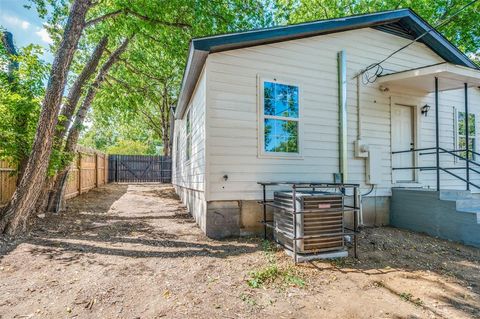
<point x="8" y="181"/>
<point x="88" y="170"/>
<point x="139" y="168"/>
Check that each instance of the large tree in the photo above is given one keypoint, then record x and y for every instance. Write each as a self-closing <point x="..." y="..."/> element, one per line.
<point x="24" y="200"/>
<point x="147" y="74"/>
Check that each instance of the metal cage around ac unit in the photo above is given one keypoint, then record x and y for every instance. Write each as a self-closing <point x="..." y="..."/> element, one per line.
<point x="319" y="220"/>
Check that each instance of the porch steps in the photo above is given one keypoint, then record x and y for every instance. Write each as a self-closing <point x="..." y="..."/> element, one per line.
<point x="453" y="194"/>
<point x="448" y="214"/>
<point x="465" y="201"/>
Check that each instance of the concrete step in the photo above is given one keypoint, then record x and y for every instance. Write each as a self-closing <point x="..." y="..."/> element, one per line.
<point x="453" y="194"/>
<point x="468" y="205"/>
<point x="476" y="195"/>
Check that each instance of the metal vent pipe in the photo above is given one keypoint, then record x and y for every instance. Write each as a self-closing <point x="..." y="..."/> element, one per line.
<point x="342" y="114"/>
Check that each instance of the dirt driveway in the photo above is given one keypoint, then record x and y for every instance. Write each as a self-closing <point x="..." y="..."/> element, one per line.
<point x="133" y="252"/>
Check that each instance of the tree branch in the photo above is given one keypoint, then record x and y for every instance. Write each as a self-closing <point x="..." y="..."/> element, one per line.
<point x="135" y="70"/>
<point x="103" y="17"/>
<point x="140" y="16"/>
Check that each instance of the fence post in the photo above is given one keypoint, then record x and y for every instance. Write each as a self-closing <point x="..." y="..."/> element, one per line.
<point x="105" y="169"/>
<point x="79" y="173"/>
<point x="96" y="170"/>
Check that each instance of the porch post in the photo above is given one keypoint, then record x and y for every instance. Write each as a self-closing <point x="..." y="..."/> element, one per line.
<point x="467" y="167"/>
<point x="437" y="135"/>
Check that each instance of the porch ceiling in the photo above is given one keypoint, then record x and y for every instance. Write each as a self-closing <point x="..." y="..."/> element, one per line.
<point x="450" y="77"/>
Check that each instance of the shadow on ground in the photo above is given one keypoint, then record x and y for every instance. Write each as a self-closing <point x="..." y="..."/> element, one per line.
<point x="89" y="226"/>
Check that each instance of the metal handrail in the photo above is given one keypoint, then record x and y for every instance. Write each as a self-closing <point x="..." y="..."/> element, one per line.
<point x="415" y="150"/>
<point x="460" y="157"/>
<point x="433" y="153"/>
<point x="444" y="169"/>
<point x="460" y="178"/>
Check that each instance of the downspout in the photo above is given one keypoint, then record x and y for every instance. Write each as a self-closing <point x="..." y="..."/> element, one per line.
<point x="342" y="114"/>
<point x="359" y="111"/>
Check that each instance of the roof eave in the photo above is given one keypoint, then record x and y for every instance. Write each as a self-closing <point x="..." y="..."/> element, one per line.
<point x="201" y="47"/>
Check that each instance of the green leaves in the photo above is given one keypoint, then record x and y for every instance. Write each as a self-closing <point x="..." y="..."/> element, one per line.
<point x="132" y="106"/>
<point x="20" y="100"/>
<point x="141" y="89"/>
<point x="461" y="31"/>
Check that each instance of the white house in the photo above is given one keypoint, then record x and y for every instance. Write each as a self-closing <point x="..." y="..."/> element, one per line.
<point x="292" y="104"/>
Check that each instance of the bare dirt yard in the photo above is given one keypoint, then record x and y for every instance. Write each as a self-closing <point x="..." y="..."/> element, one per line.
<point x="132" y="251"/>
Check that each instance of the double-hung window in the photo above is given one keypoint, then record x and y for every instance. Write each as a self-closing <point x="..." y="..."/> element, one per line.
<point x="279" y="118"/>
<point x="188" y="133"/>
<point x="461" y="133"/>
<point x="177" y="152"/>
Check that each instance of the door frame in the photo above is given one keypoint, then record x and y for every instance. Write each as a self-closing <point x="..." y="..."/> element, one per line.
<point x="413" y="102"/>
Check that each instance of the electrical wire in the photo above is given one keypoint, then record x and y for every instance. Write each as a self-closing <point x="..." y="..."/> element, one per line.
<point x="342" y="190"/>
<point x="371" y="72"/>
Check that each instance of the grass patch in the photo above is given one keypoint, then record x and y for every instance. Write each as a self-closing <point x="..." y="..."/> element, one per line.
<point x="273" y="273"/>
<point x="409" y="298"/>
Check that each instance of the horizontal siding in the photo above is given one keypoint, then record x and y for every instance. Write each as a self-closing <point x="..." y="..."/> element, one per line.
<point x="191" y="174"/>
<point x="232" y="128"/>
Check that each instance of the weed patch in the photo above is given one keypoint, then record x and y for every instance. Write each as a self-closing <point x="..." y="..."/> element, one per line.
<point x="273" y="273"/>
<point x="409" y="298"/>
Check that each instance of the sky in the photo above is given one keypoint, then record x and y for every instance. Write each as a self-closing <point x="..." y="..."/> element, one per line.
<point x="25" y="25"/>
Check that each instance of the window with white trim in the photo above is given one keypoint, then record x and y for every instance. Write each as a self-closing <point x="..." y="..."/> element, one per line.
<point x="280" y="118"/>
<point x="461" y="133"/>
<point x="177" y="152"/>
<point x="188" y="132"/>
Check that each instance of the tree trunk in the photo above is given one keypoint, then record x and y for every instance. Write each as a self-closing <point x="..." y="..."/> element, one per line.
<point x="66" y="115"/>
<point x="74" y="133"/>
<point x="166" y="143"/>
<point x="76" y="91"/>
<point x="165" y="120"/>
<point x="43" y="200"/>
<point x="24" y="200"/>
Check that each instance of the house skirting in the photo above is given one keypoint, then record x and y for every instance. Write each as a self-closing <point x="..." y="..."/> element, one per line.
<point x="234" y="218"/>
<point x="194" y="200"/>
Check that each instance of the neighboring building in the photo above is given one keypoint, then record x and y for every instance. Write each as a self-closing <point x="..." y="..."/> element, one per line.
<point x="7" y="43"/>
<point x="270" y="105"/>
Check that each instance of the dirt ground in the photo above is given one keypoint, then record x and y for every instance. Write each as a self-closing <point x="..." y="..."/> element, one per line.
<point x="132" y="251"/>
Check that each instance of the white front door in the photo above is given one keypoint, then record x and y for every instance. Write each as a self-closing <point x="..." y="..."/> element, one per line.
<point x="402" y="139"/>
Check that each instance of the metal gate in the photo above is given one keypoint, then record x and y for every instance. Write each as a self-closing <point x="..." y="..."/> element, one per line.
<point x="139" y="168"/>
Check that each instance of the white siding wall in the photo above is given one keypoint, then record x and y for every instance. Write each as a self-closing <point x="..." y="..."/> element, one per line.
<point x="232" y="137"/>
<point x="191" y="174"/>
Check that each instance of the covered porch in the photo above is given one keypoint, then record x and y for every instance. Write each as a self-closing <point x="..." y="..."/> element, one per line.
<point x="432" y="80"/>
<point x="452" y="214"/>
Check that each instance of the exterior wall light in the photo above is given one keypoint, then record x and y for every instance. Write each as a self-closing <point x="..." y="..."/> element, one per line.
<point x="425" y="109"/>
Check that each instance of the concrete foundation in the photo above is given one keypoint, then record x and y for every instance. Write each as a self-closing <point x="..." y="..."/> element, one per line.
<point x="222" y="219"/>
<point x="451" y="215"/>
<point x="376" y="211"/>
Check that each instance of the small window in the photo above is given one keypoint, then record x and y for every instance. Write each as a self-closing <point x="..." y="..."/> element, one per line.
<point x="188" y="131"/>
<point x="280" y="118"/>
<point x="461" y="134"/>
<point x="177" y="152"/>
